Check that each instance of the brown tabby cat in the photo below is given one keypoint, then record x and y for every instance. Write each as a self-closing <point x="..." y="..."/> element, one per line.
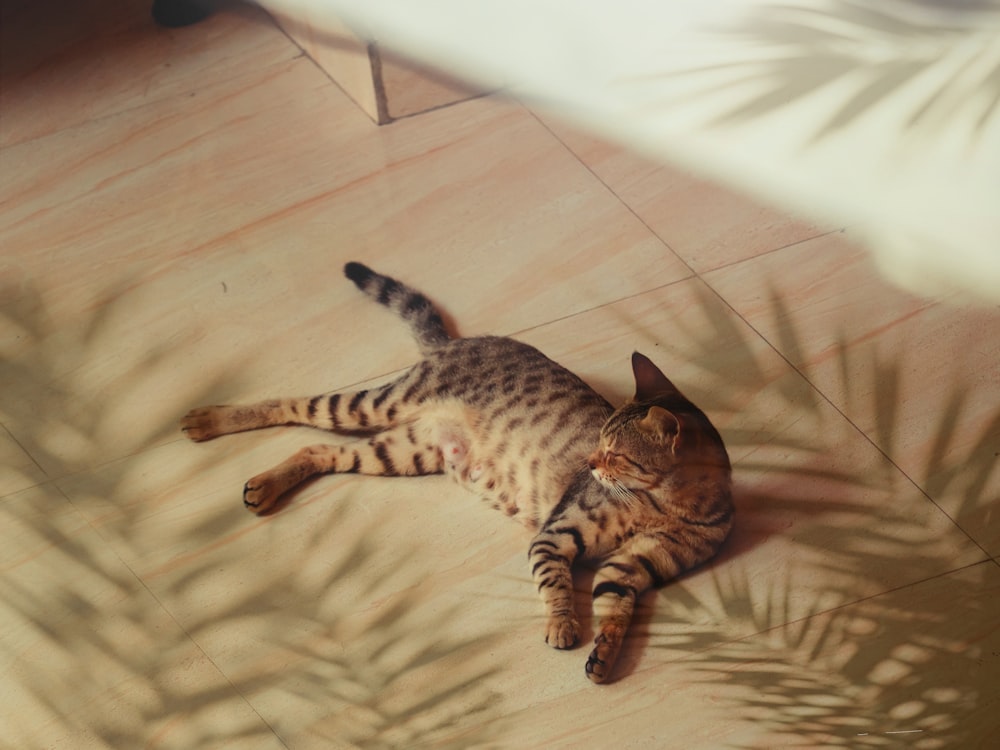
<point x="642" y="492"/>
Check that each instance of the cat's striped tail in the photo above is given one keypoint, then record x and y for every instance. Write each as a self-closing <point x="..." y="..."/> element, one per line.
<point x="412" y="306"/>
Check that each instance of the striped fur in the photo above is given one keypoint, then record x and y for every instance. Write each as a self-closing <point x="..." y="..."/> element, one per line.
<point x="642" y="492"/>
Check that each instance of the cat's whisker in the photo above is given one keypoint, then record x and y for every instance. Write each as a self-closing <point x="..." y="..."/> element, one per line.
<point x="623" y="493"/>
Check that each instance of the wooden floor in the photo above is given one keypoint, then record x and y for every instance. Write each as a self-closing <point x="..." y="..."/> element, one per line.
<point x="175" y="210"/>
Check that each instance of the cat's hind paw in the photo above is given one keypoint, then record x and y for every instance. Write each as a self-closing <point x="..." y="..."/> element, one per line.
<point x="201" y="424"/>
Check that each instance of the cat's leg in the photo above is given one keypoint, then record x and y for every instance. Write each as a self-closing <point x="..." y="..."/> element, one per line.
<point x="396" y="452"/>
<point x="638" y="565"/>
<point x="551" y="556"/>
<point x="372" y="409"/>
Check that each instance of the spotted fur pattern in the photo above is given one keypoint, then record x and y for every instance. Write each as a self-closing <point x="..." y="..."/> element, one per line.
<point x="642" y="492"/>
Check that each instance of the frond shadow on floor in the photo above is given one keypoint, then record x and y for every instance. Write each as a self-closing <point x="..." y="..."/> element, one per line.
<point x="107" y="591"/>
<point x="851" y="662"/>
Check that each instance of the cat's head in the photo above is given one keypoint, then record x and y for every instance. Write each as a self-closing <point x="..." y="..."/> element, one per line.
<point x="645" y="442"/>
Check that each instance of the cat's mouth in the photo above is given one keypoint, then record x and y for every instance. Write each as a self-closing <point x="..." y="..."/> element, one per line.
<point x="601" y="477"/>
<point x="605" y="477"/>
<point x="599" y="470"/>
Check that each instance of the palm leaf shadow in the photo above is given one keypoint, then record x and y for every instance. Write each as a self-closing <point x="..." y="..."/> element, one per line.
<point x="84" y="538"/>
<point x="836" y="670"/>
<point x="401" y="641"/>
<point x="798" y="50"/>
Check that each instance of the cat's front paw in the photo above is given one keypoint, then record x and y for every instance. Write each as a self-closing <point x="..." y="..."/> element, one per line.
<point x="562" y="631"/>
<point x="260" y="495"/>
<point x="604" y="655"/>
<point x="201" y="423"/>
<point x="597" y="669"/>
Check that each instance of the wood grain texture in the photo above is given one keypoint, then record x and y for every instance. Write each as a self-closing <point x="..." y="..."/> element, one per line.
<point x="175" y="236"/>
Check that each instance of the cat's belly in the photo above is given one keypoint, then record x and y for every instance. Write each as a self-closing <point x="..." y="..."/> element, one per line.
<point x="525" y="487"/>
<point x="520" y="471"/>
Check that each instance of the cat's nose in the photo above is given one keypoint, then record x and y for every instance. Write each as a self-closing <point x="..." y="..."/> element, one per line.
<point x="592" y="463"/>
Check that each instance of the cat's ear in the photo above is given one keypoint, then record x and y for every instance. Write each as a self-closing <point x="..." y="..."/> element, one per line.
<point x="650" y="383"/>
<point x="662" y="425"/>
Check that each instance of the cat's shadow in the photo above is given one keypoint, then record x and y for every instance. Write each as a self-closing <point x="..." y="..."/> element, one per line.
<point x="751" y="515"/>
<point x="755" y="523"/>
<point x="751" y="520"/>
